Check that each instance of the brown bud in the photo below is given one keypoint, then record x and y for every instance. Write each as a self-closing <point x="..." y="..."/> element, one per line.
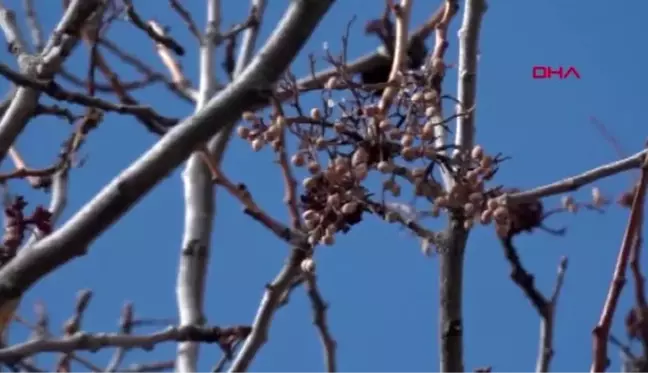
<point x="243" y="132"/>
<point x="407" y="140"/>
<point x="349" y="208"/>
<point x="309" y="183"/>
<point x="359" y="156"/>
<point x="298" y="160"/>
<point x="409" y="153"/>
<point x="477" y="152"/>
<point x="385" y="167"/>
<point x="567" y="201"/>
<point x="313" y="167"/>
<point x="316" y="114"/>
<point x="486" y="217"/>
<point x="428" y="131"/>
<point x="333" y="200"/>
<point x="257" y="144"/>
<point x="501" y="214"/>
<point x="328" y="240"/>
<point x="310" y="215"/>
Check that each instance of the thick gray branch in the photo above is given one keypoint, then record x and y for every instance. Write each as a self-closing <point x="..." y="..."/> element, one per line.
<point x="111" y="203"/>
<point x="199" y="211"/>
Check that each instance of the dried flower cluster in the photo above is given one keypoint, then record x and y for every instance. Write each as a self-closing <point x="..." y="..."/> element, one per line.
<point x="17" y="224"/>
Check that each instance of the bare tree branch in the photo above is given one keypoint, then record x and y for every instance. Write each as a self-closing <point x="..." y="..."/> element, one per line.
<point x="74" y="237"/>
<point x="451" y="262"/>
<point x="44" y="66"/>
<point x="199" y="210"/>
<point x="546" y="308"/>
<point x="269" y="304"/>
<point x="577" y="181"/>
<point x="602" y="330"/>
<point x="95" y="342"/>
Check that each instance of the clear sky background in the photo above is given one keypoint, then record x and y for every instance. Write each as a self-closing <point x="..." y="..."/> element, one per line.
<point x="383" y="292"/>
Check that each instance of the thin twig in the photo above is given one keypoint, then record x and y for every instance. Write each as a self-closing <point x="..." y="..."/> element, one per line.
<point x="319" y="319"/>
<point x="545" y="307"/>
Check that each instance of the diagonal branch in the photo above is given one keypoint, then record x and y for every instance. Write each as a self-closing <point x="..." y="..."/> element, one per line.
<point x="120" y="195"/>
<point x="545" y="307"/>
<point x="319" y="319"/>
<point x="269" y="304"/>
<point x="602" y="330"/>
<point x="577" y="181"/>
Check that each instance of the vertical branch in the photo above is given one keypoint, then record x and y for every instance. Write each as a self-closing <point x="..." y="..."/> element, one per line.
<point x="250" y="37"/>
<point x="467" y="71"/>
<point x="601" y="332"/>
<point x="450" y="293"/>
<point x="199" y="211"/>
<point x="547" y="324"/>
<point x="451" y="261"/>
<point x="200" y="206"/>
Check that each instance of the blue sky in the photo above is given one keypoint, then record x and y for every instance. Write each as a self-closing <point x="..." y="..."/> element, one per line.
<point x="383" y="292"/>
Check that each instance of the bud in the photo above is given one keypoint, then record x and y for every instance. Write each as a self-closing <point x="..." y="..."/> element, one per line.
<point x="328" y="240"/>
<point x="567" y="202"/>
<point x="313" y="167"/>
<point x="310" y="215"/>
<point x="428" y="131"/>
<point x="331" y="82"/>
<point x="298" y="160"/>
<point x="308" y="265"/>
<point x="309" y="183"/>
<point x="243" y="132"/>
<point x="359" y="156"/>
<point x="477" y="152"/>
<point x="333" y="200"/>
<point x="385" y="167"/>
<point x="486" y="217"/>
<point x="316" y="114"/>
<point x="257" y="144"/>
<point x="430" y="96"/>
<point x="349" y="208"/>
<point x="409" y="153"/>
<point x="501" y="214"/>
<point x="407" y="140"/>
<point x="597" y="197"/>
